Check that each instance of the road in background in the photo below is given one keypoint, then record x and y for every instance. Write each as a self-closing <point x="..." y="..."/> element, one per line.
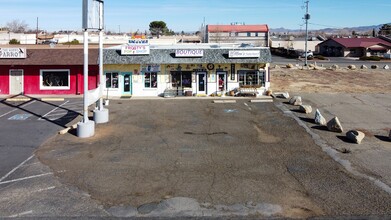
<point x="340" y="61"/>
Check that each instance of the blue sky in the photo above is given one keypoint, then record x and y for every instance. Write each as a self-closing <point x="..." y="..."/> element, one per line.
<point x="188" y="15"/>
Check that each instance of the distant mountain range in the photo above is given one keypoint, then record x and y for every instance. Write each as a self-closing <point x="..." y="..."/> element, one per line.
<point x="361" y="29"/>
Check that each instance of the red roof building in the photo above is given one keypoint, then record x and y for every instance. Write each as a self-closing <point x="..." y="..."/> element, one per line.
<point x="257" y="35"/>
<point x="354" y="47"/>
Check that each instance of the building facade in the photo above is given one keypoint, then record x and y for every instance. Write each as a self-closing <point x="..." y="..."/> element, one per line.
<point x="191" y="70"/>
<point x="354" y="47"/>
<point x="45" y="71"/>
<point x="257" y="35"/>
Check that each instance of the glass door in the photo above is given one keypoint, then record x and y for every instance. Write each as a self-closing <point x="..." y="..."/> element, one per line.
<point x="201" y="83"/>
<point x="222" y="81"/>
<point x="127" y="84"/>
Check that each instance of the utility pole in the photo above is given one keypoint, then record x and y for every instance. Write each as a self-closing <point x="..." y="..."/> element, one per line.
<point x="306" y="17"/>
<point x="36" y="33"/>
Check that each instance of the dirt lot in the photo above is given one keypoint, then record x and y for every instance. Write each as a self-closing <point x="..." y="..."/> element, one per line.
<point x="331" y="81"/>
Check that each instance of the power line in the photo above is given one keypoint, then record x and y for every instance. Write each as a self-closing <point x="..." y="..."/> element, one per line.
<point x="324" y="25"/>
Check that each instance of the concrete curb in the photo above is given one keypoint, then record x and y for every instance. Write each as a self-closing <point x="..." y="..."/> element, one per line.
<point x="66" y="130"/>
<point x="18" y="99"/>
<point x="261" y="100"/>
<point x="224" y="101"/>
<point x="52" y="99"/>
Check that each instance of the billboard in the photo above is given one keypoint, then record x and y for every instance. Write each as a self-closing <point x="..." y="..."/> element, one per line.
<point x="93" y="14"/>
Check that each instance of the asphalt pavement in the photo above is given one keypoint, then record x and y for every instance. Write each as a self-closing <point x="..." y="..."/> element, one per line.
<point x="177" y="158"/>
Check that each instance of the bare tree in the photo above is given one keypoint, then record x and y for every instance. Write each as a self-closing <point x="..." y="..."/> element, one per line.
<point x="17" y="26"/>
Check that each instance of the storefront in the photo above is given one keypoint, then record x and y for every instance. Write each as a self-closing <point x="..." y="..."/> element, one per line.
<point x="45" y="71"/>
<point x="185" y="70"/>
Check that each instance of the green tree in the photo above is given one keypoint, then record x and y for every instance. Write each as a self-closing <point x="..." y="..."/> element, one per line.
<point x="157" y="28"/>
<point x="14" y="41"/>
<point x="385" y="30"/>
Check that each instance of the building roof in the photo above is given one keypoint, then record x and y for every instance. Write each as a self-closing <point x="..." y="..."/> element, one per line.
<point x="167" y="56"/>
<point x="360" y="42"/>
<point x="237" y="28"/>
<point x="54" y="57"/>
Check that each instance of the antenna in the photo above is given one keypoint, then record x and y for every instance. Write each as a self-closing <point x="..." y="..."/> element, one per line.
<point x="306" y="17"/>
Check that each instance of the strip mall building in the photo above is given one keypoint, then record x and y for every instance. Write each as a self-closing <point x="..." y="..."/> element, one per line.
<point x="139" y="69"/>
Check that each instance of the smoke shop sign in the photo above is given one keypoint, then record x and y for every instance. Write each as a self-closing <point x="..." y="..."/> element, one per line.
<point x="244" y="54"/>
<point x="189" y="53"/>
<point x="136" y="47"/>
<point x="13" y="53"/>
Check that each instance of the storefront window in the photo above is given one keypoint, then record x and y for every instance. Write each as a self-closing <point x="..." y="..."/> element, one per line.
<point x="251" y="78"/>
<point x="112" y="80"/>
<point x="150" y="80"/>
<point x="181" y="79"/>
<point x="55" y="79"/>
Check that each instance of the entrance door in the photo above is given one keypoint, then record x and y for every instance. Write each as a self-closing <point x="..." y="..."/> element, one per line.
<point x="222" y="81"/>
<point x="201" y="83"/>
<point x="127" y="84"/>
<point x="16" y="82"/>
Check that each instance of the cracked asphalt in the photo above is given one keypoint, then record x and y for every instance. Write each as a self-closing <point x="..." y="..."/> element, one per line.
<point x="206" y="159"/>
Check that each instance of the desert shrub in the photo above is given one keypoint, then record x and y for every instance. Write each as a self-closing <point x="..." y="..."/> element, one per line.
<point x="14" y="41"/>
<point x="371" y="58"/>
<point x="320" y="57"/>
<point x="74" y="42"/>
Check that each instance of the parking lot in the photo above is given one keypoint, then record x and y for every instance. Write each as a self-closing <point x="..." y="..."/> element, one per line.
<point x="27" y="122"/>
<point x="27" y="187"/>
<point x="198" y="158"/>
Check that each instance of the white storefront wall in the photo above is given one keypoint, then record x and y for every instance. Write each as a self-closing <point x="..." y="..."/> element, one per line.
<point x="164" y="79"/>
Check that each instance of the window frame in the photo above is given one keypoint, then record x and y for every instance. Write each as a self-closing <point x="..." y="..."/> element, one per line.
<point x="43" y="87"/>
<point x="111" y="80"/>
<point x="150" y="80"/>
<point x="260" y="77"/>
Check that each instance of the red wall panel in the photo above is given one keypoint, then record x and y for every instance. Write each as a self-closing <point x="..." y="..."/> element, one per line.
<point x="32" y="79"/>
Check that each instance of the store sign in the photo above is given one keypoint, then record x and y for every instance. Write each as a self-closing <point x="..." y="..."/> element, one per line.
<point x="136" y="47"/>
<point x="189" y="53"/>
<point x="139" y="42"/>
<point x="13" y="53"/>
<point x="150" y="68"/>
<point x="244" y="54"/>
<point x="135" y="50"/>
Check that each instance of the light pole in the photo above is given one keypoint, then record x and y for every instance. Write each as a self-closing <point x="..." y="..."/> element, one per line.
<point x="92" y="20"/>
<point x="101" y="114"/>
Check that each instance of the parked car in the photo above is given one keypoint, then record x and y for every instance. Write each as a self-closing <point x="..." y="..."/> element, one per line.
<point x="310" y="55"/>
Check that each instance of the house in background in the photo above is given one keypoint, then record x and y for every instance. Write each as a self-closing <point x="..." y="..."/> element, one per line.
<point x="354" y="47"/>
<point x="257" y="35"/>
<point x="49" y="71"/>
<point x="295" y="43"/>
